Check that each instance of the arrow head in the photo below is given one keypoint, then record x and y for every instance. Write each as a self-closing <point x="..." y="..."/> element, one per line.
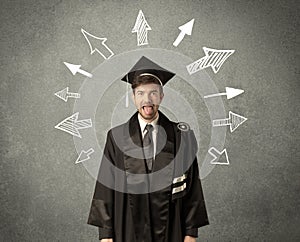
<point x="217" y="156"/>
<point x="140" y="21"/>
<point x="63" y="94"/>
<point x="73" y="68"/>
<point x="89" y="38"/>
<point x="67" y="125"/>
<point x="236" y="120"/>
<point x="233" y="92"/>
<point x="188" y="27"/>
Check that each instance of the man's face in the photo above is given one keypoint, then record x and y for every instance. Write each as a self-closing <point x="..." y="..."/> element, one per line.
<point x="147" y="98"/>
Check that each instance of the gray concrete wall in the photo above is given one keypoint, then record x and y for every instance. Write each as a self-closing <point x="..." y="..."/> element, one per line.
<point x="46" y="197"/>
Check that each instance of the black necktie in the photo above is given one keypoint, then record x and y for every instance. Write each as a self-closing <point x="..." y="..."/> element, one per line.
<point x="148" y="146"/>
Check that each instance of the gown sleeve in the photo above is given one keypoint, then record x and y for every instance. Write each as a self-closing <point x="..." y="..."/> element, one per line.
<point x="194" y="210"/>
<point x="101" y="212"/>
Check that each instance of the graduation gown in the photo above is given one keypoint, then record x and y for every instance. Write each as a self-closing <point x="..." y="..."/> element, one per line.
<point x="164" y="215"/>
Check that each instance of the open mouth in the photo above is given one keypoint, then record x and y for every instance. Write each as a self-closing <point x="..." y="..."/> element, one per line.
<point x="148" y="109"/>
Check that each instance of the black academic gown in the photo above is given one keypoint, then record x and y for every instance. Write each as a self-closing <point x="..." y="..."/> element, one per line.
<point x="166" y="215"/>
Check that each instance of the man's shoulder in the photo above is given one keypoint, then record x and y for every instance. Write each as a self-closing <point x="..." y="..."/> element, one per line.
<point x="179" y="126"/>
<point x="118" y="128"/>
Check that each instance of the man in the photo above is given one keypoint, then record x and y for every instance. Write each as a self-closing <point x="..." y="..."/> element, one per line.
<point x="162" y="199"/>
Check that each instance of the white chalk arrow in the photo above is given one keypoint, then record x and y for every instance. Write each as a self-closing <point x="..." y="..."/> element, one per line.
<point x="216" y="155"/>
<point x="102" y="49"/>
<point x="233" y="121"/>
<point x="64" y="94"/>
<point x="213" y="58"/>
<point x="141" y="27"/>
<point x="76" y="68"/>
<point x="84" y="155"/>
<point x="230" y="93"/>
<point x="185" y="29"/>
<point x="72" y="126"/>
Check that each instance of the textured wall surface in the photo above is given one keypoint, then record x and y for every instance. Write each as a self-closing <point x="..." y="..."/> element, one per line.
<point x="44" y="196"/>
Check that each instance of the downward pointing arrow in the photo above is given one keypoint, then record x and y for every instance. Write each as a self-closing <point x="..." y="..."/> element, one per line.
<point x="216" y="155"/>
<point x="230" y="93"/>
<point x="84" y="155"/>
<point x="76" y="68"/>
<point x="185" y="29"/>
<point x="105" y="52"/>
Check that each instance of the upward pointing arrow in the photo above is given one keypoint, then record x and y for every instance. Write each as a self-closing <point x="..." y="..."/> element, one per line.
<point x="141" y="27"/>
<point x="185" y="29"/>
<point x="105" y="52"/>
<point x="76" y="68"/>
<point x="230" y="93"/>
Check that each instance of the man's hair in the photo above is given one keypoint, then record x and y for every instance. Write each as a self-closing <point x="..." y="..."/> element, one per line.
<point x="145" y="79"/>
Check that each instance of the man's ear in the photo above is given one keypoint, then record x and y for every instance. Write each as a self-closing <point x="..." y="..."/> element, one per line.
<point x="162" y="96"/>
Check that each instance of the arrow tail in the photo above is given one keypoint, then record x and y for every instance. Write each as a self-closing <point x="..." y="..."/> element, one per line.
<point x="179" y="39"/>
<point x="90" y="151"/>
<point x="69" y="128"/>
<point x="107" y="53"/>
<point x="142" y="37"/>
<point x="73" y="95"/>
<point x="215" y="95"/>
<point x="195" y="66"/>
<point x="83" y="124"/>
<point x="221" y="122"/>
<point x="85" y="73"/>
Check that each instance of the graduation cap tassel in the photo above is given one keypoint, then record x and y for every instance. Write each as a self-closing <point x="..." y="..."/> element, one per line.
<point x="127" y="101"/>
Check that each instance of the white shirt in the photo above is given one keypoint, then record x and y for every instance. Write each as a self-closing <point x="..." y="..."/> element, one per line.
<point x="143" y="124"/>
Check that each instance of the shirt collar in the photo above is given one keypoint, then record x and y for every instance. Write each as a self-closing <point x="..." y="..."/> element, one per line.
<point x="143" y="123"/>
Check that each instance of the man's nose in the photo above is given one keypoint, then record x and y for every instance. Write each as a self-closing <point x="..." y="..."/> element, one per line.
<point x="148" y="98"/>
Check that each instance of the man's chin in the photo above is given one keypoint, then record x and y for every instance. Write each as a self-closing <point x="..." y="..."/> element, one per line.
<point x="148" y="117"/>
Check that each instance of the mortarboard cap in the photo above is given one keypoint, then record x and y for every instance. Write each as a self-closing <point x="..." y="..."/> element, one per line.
<point x="145" y="66"/>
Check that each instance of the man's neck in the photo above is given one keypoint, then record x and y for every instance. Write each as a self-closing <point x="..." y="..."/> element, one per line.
<point x="148" y="121"/>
